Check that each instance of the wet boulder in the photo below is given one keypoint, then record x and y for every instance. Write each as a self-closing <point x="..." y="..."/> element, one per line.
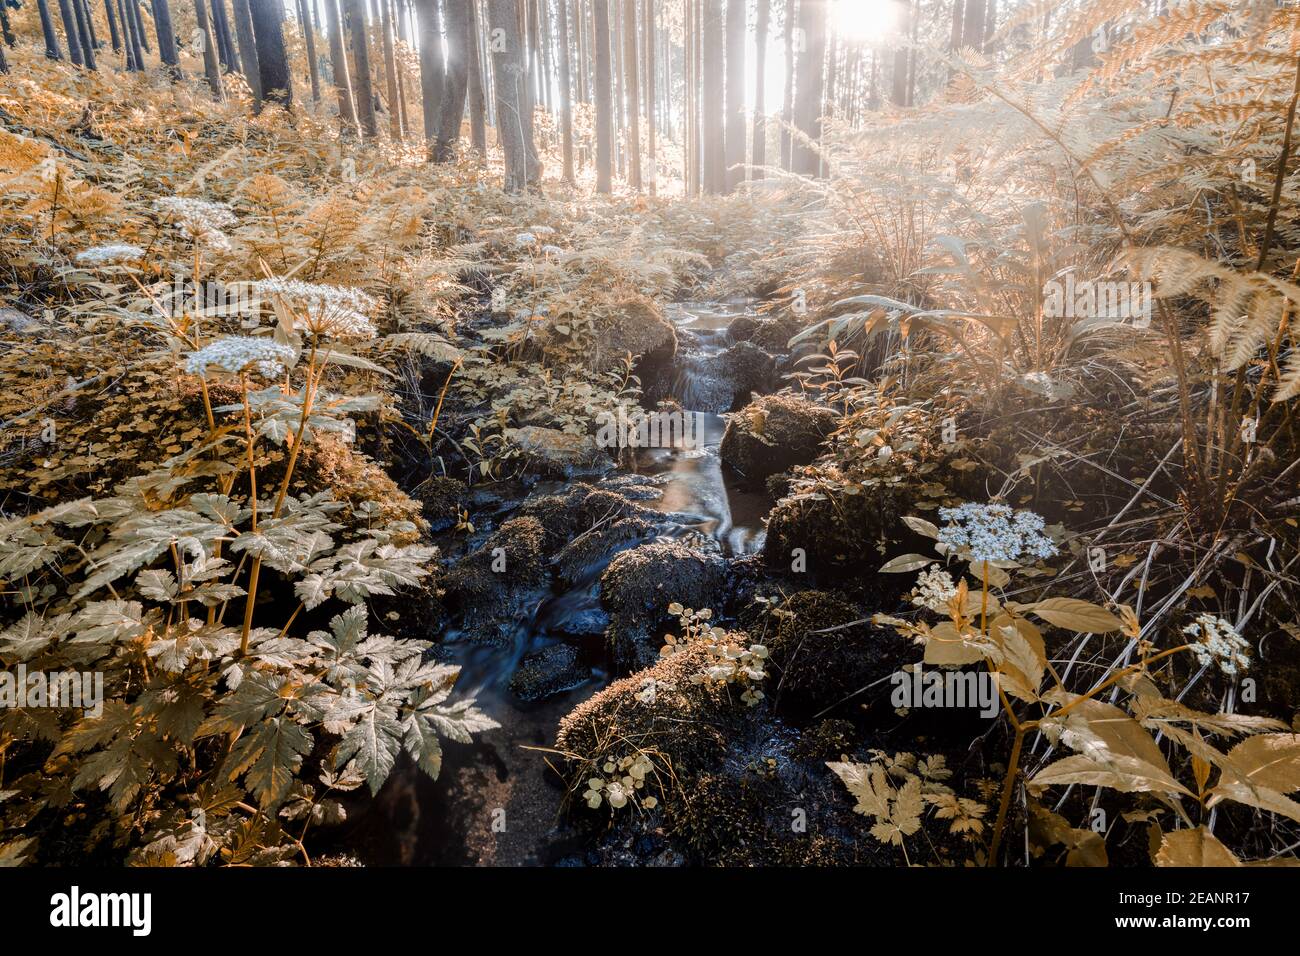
<point x="636" y="327"/>
<point x="552" y="670"/>
<point x="637" y="588"/>
<point x="442" y="499"/>
<point x="773" y="434"/>
<point x="558" y="453"/>
<point x="497" y="586"/>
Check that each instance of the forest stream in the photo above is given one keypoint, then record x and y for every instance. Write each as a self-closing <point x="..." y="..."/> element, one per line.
<point x="497" y="802"/>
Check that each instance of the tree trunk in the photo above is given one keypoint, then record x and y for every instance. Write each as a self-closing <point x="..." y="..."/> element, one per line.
<point x="131" y="37"/>
<point x="248" y="49"/>
<point x="604" y="104"/>
<point x="339" y="66"/>
<point x="431" y="66"/>
<point x="84" y="35"/>
<point x="633" y="95"/>
<point x="808" y="86"/>
<point x="52" y="50"/>
<point x="211" y="68"/>
<point x="309" y="38"/>
<point x="70" y="32"/>
<point x="390" y="70"/>
<point x="355" y="14"/>
<point x="510" y="77"/>
<point x="787" y="106"/>
<point x="134" y="7"/>
<point x="272" y="60"/>
<point x="460" y="34"/>
<point x="566" y="95"/>
<point x="7" y="32"/>
<point x="162" y="22"/>
<point x="760" y="89"/>
<point x="712" y="99"/>
<point x="651" y="134"/>
<point x="973" y="30"/>
<point x="477" y="95"/>
<point x="220" y="29"/>
<point x="734" y="150"/>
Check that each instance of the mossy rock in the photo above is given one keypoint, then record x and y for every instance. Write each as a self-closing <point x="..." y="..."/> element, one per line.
<point x="637" y="327"/>
<point x="492" y="602"/>
<point x="847" y="535"/>
<point x="637" y="588"/>
<point x="773" y="434"/>
<point x="821" y="654"/>
<point x="442" y="499"/>
<point x="552" y="670"/>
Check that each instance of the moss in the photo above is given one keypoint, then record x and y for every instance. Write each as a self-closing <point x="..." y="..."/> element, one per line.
<point x="774" y="434"/>
<point x="825" y="740"/>
<point x="490" y="601"/>
<point x="442" y="499"/>
<point x="635" y="326"/>
<point x="819" y="660"/>
<point x="637" y="588"/>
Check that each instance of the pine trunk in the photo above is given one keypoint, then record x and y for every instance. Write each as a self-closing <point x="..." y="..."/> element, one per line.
<point x="431" y="66"/>
<point x="338" y="64"/>
<point x="604" y="104"/>
<point x="566" y="94"/>
<point x="460" y="34"/>
<point x="248" y="49"/>
<point x="808" y="87"/>
<point x="272" y="60"/>
<point x="734" y="149"/>
<point x="355" y="14"/>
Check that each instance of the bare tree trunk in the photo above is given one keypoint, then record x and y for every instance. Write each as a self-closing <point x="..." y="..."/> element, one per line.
<point x="162" y="25"/>
<point x="759" y="154"/>
<point x="309" y="38"/>
<point x="651" y="132"/>
<point x="548" y="65"/>
<point x="70" y="32"/>
<point x="272" y="60"/>
<point x="477" y="95"/>
<point x="620" y="118"/>
<point x="390" y="70"/>
<point x="973" y="30"/>
<point x="460" y="34"/>
<point x="510" y="77"/>
<point x="211" y="68"/>
<point x="808" y="90"/>
<point x="248" y="49"/>
<point x="84" y="34"/>
<point x="355" y="14"/>
<point x="431" y="66"/>
<point x="734" y="148"/>
<point x="8" y="34"/>
<point x="787" y="107"/>
<point x="339" y="65"/>
<point x="399" y="25"/>
<point x="134" y="58"/>
<point x="134" y="7"/>
<point x="52" y="50"/>
<point x="633" y="95"/>
<point x="566" y="97"/>
<point x="221" y="33"/>
<point x="713" y="101"/>
<point x="604" y="106"/>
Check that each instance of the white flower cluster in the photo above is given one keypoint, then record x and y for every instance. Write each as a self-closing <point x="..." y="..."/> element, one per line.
<point x="994" y="532"/>
<point x="332" y="310"/>
<point x="199" y="220"/>
<point x="525" y="239"/>
<point x="627" y="776"/>
<point x="1219" y="642"/>
<point x="934" y="589"/>
<point x="238" y="352"/>
<point x="110" y="254"/>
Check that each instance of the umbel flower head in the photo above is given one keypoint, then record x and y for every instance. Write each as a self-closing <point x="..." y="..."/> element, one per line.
<point x="237" y="353"/>
<point x="110" y="254"/>
<point x="1218" y="642"/>
<point x="201" y="221"/>
<point x="934" y="589"/>
<point x="992" y="532"/>
<point x="336" y="311"/>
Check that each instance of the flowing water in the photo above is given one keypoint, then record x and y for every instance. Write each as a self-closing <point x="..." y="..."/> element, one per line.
<point x="497" y="803"/>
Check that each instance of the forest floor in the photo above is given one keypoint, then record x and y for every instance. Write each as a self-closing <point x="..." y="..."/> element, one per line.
<point x="685" y="648"/>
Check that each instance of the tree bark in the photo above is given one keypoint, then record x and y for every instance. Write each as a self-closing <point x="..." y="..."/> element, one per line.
<point x="787" y="106"/>
<point x="355" y="14"/>
<point x="134" y="58"/>
<point x="309" y="38"/>
<point x="339" y="66"/>
<point x="52" y="49"/>
<point x="134" y="7"/>
<point x="651" y="133"/>
<point x="7" y="32"/>
<point x="973" y="29"/>
<point x="713" y="99"/>
<point x="460" y="34"/>
<point x="734" y="149"/>
<point x="604" y="104"/>
<point x="162" y="22"/>
<point x="84" y="36"/>
<point x="759" y="154"/>
<point x="70" y="32"/>
<point x="566" y="94"/>
<point x="248" y="49"/>
<point x="630" y="65"/>
<point x="431" y="66"/>
<point x="510" y="77"/>
<point x="390" y="70"/>
<point x="477" y="94"/>
<point x="272" y="59"/>
<point x="211" y="68"/>
<point x="808" y="86"/>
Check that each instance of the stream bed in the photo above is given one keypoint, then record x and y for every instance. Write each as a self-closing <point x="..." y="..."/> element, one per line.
<point x="497" y="802"/>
